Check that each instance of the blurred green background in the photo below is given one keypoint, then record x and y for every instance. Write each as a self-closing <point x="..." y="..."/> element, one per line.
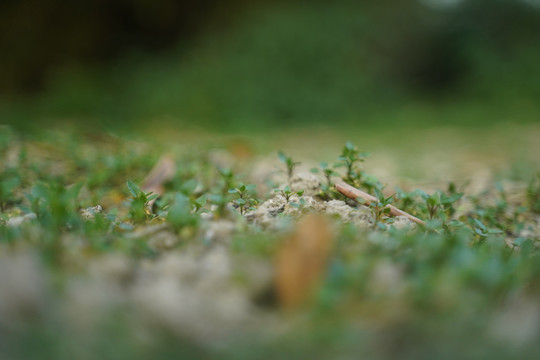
<point x="247" y="65"/>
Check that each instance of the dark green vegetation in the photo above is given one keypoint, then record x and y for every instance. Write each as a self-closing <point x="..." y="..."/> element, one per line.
<point x="280" y="63"/>
<point x="464" y="286"/>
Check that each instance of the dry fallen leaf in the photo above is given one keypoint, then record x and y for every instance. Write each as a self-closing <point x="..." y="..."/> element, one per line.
<point x="301" y="262"/>
<point x="162" y="172"/>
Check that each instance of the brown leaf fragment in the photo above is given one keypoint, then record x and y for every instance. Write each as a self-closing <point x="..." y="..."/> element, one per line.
<point x="301" y="261"/>
<point x="162" y="172"/>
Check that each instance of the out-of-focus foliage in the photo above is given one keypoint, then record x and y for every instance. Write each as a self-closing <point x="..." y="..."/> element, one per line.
<point x="296" y="62"/>
<point x="37" y="36"/>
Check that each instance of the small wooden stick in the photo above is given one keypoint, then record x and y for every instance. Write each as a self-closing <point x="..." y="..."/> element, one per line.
<point x="355" y="194"/>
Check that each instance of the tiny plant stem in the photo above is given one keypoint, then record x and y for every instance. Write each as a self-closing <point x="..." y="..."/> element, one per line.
<point x="241" y="195"/>
<point x="355" y="194"/>
<point x="350" y="166"/>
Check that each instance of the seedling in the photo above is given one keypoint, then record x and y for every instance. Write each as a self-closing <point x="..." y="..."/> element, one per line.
<point x="287" y="193"/>
<point x="351" y="158"/>
<point x="369" y="182"/>
<point x="289" y="163"/>
<point x="200" y="202"/>
<point x="380" y="207"/>
<point x="482" y="230"/>
<point x="139" y="202"/>
<point x="432" y="202"/>
<point x="54" y="204"/>
<point x="328" y="173"/>
<point x="448" y="201"/>
<point x="179" y="213"/>
<point x="245" y="200"/>
<point x="405" y="199"/>
<point x="221" y="199"/>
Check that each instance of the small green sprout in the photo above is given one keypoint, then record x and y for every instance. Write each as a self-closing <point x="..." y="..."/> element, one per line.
<point x="245" y="201"/>
<point x="54" y="204"/>
<point x="440" y="204"/>
<point x="200" y="202"/>
<point x="289" y="163"/>
<point x="328" y="172"/>
<point x="351" y="158"/>
<point x="139" y="202"/>
<point x="432" y="203"/>
<point x="380" y="207"/>
<point x="481" y="229"/>
<point x="222" y="198"/>
<point x="179" y="213"/>
<point x="287" y="193"/>
<point x="188" y="187"/>
<point x="405" y="200"/>
<point x="449" y="201"/>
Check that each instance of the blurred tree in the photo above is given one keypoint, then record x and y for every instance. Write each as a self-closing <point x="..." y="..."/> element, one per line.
<point x="39" y="35"/>
<point x="265" y="61"/>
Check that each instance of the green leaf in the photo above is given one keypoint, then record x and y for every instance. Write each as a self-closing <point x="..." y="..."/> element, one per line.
<point x="381" y="226"/>
<point x="433" y="200"/>
<point x="216" y="198"/>
<point x="422" y="194"/>
<point x="480" y="232"/>
<point x="73" y="191"/>
<point x="454" y="198"/>
<point x="226" y="173"/>
<point x="282" y="157"/>
<point x="9" y="185"/>
<point x="455" y="223"/>
<point x="200" y="201"/>
<point x="180" y="214"/>
<point x="40" y="191"/>
<point x="480" y="224"/>
<point x="189" y="186"/>
<point x="133" y="188"/>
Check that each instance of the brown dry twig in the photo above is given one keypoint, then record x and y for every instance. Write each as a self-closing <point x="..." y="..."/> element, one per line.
<point x="355" y="194"/>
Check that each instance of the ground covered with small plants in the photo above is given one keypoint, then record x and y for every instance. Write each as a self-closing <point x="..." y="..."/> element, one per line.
<point x="116" y="248"/>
